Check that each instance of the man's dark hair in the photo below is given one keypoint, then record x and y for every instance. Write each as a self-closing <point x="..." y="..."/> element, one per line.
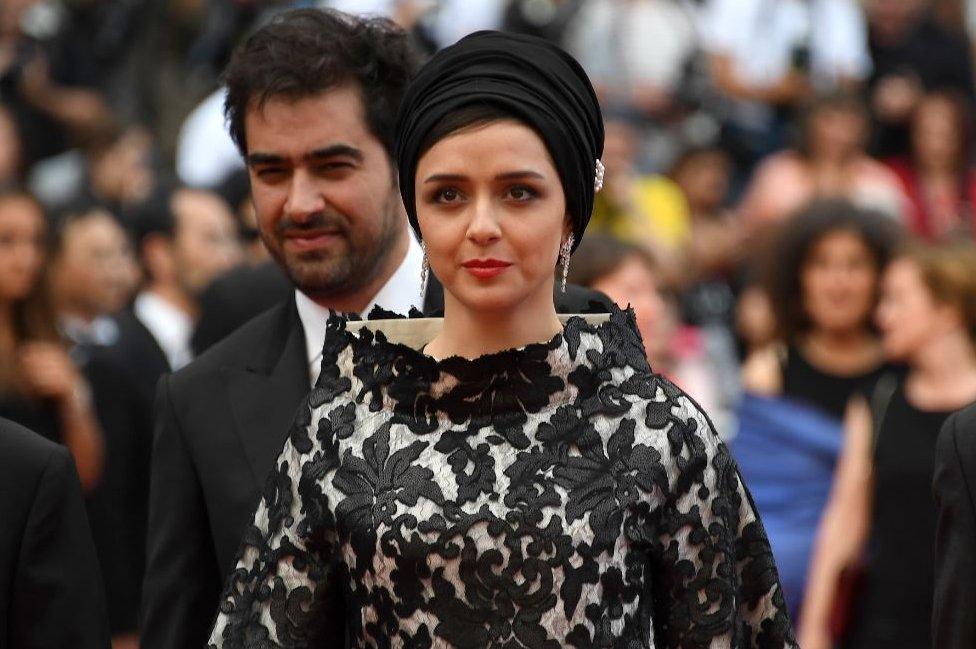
<point x="304" y="52"/>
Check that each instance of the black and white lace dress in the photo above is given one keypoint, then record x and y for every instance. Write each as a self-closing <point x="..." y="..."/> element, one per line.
<point x="559" y="495"/>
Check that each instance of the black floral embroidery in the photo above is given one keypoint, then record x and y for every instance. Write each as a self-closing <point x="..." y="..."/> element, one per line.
<point x="560" y="495"/>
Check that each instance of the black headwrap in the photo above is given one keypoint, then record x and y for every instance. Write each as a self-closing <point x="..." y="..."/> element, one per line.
<point x="529" y="77"/>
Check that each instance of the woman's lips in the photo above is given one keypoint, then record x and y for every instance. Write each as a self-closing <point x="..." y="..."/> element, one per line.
<point x="486" y="268"/>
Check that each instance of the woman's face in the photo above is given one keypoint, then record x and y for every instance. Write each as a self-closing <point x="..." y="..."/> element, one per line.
<point x="492" y="213"/>
<point x="633" y="283"/>
<point x="836" y="133"/>
<point x="21" y="248"/>
<point x="838" y="282"/>
<point x="907" y="315"/>
<point x="936" y="140"/>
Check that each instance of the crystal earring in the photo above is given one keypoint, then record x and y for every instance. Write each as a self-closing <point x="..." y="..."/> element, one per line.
<point x="424" y="272"/>
<point x="564" y="251"/>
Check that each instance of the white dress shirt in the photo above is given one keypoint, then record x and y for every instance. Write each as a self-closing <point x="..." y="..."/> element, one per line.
<point x="399" y="294"/>
<point x="170" y="326"/>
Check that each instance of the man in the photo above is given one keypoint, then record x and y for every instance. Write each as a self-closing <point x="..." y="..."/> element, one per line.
<point x="50" y="588"/>
<point x="311" y="103"/>
<point x="183" y="244"/>
<point x="92" y="274"/>
<point x="954" y="617"/>
<point x="312" y="98"/>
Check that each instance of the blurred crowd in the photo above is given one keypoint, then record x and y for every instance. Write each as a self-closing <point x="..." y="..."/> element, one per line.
<point x="788" y="207"/>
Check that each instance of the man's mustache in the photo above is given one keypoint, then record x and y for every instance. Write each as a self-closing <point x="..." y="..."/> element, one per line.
<point x="314" y="223"/>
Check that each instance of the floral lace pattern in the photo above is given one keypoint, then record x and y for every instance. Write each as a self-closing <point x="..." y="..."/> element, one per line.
<point x="559" y="495"/>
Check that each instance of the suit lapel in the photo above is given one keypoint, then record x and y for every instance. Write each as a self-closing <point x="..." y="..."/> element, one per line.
<point x="266" y="393"/>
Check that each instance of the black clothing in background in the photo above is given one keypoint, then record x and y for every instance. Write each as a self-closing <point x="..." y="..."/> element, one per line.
<point x="50" y="590"/>
<point x="896" y="608"/>
<point x="219" y="424"/>
<point x="123" y="379"/>
<point x="234" y="298"/>
<point x="936" y="57"/>
<point x="954" y="617"/>
<point x="828" y="392"/>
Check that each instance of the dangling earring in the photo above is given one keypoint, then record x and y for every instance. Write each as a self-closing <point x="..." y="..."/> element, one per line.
<point x="564" y="251"/>
<point x="424" y="272"/>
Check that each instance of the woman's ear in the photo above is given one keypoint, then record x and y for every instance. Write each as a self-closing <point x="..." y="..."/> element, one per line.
<point x="567" y="227"/>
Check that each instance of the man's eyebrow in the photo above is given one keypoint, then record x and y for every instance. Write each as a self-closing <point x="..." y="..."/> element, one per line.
<point x="334" y="151"/>
<point x="264" y="159"/>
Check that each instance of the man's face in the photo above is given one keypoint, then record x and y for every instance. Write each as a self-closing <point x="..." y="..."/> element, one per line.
<point x="327" y="206"/>
<point x="205" y="242"/>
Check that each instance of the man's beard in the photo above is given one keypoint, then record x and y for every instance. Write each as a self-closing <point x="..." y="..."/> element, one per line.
<point x="349" y="265"/>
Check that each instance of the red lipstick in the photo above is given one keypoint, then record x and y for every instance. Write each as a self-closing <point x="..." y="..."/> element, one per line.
<point x="486" y="268"/>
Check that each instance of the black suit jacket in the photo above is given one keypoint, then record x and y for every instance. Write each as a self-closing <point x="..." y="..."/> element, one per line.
<point x="220" y="423"/>
<point x="954" y="614"/>
<point x="50" y="588"/>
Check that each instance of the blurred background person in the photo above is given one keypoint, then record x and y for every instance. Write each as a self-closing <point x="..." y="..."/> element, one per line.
<point x="40" y="387"/>
<point x="768" y="58"/>
<point x="11" y="160"/>
<point x="184" y="239"/>
<point x="638" y="54"/>
<point x="829" y="162"/>
<point x="911" y="53"/>
<point x="645" y="209"/>
<point x="629" y="275"/>
<point x="821" y="281"/>
<point x="881" y="509"/>
<point x="937" y="176"/>
<point x="92" y="274"/>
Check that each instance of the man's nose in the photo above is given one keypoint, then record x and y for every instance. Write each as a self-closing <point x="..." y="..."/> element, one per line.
<point x="304" y="197"/>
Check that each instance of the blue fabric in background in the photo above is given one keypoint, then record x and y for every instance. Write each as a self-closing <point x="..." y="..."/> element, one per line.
<point x="787" y="451"/>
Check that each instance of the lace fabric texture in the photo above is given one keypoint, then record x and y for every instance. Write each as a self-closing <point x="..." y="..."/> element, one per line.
<point x="558" y="495"/>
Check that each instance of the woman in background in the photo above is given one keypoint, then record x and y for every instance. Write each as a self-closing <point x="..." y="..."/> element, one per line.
<point x="938" y="177"/>
<point x="821" y="282"/>
<point x="881" y="504"/>
<point x="40" y="387"/>
<point x="830" y="162"/>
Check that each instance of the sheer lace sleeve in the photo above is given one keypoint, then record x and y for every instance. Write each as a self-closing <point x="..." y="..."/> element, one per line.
<point x="286" y="589"/>
<point x="716" y="582"/>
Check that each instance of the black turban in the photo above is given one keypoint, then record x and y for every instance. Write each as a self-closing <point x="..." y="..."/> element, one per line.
<point x="530" y="78"/>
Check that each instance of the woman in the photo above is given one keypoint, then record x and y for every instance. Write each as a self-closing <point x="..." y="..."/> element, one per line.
<point x="822" y="285"/>
<point x="938" y="178"/>
<point x="829" y="163"/>
<point x="494" y="490"/>
<point x="882" y="495"/>
<point x="39" y="384"/>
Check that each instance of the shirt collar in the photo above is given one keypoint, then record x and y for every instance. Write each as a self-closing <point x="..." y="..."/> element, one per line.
<point x="399" y="294"/>
<point x="169" y="325"/>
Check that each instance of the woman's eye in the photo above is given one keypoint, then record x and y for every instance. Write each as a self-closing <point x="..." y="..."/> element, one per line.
<point x="448" y="195"/>
<point x="521" y="193"/>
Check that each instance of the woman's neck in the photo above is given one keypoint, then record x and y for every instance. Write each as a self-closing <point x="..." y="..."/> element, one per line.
<point x="843" y="351"/>
<point x="469" y="333"/>
<point x="943" y="373"/>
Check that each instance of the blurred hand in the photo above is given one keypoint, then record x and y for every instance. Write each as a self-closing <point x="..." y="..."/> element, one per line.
<point x="895" y="97"/>
<point x="48" y="371"/>
<point x="814" y="638"/>
<point x="125" y="641"/>
<point x="793" y="88"/>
